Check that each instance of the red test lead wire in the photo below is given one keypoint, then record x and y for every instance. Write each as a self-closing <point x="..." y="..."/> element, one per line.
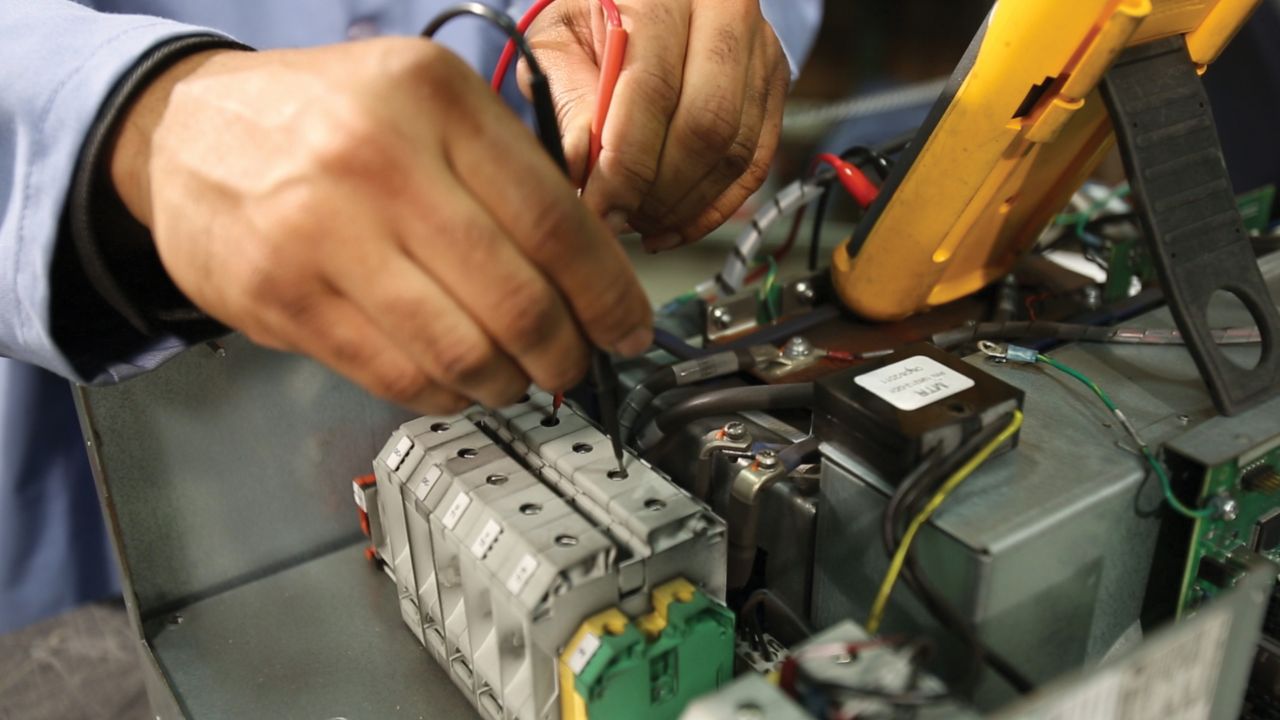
<point x="853" y="179"/>
<point x="615" y="49"/>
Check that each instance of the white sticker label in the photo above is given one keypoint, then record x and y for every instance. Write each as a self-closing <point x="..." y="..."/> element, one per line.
<point x="582" y="654"/>
<point x="359" y="493"/>
<point x="913" y="383"/>
<point x="1174" y="682"/>
<point x="397" y="456"/>
<point x="458" y="507"/>
<point x="520" y="577"/>
<point x="429" y="479"/>
<point x="485" y="540"/>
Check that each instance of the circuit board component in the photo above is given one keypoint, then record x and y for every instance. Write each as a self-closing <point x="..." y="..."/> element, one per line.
<point x="1244" y="493"/>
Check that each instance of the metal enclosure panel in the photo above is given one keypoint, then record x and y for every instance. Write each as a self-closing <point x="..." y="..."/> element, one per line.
<point x="320" y="640"/>
<point x="1049" y="546"/>
<point x="220" y="467"/>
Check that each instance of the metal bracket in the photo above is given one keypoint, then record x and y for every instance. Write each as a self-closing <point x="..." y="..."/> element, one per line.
<point x="1184" y="198"/>
<point x="733" y="440"/>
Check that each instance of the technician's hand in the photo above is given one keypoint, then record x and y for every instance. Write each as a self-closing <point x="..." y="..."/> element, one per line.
<point x="375" y="206"/>
<point x="694" y="121"/>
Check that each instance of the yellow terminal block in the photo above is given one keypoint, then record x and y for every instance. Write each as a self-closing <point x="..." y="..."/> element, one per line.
<point x="1021" y="127"/>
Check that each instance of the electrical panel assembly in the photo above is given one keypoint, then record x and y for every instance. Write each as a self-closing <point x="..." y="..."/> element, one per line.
<point x="548" y="583"/>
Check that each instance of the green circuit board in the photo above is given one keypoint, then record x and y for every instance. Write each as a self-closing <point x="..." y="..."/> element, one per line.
<point x="1255" y="489"/>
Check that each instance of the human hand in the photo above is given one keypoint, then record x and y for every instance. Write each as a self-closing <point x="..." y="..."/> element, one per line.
<point x="375" y="206"/>
<point x="695" y="118"/>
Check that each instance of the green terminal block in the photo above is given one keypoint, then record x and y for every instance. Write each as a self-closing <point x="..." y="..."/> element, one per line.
<point x="653" y="669"/>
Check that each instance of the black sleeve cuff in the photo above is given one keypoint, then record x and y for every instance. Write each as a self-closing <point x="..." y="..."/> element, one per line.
<point x="109" y="293"/>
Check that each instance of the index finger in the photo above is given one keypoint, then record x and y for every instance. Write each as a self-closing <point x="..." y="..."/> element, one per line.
<point x="499" y="162"/>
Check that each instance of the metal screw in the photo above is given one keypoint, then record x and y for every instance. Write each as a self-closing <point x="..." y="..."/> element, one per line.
<point x="721" y="317"/>
<point x="805" y="292"/>
<point x="566" y="540"/>
<point x="735" y="431"/>
<point x="767" y="459"/>
<point x="748" y="711"/>
<point x="1184" y="419"/>
<point x="798" y="347"/>
<point x="1225" y="507"/>
<point x="1092" y="297"/>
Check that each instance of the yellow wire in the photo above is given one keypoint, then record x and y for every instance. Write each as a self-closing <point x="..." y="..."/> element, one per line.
<point x="900" y="556"/>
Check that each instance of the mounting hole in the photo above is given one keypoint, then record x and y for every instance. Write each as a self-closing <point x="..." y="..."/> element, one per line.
<point x="654" y="505"/>
<point x="566" y="540"/>
<point x="550" y="421"/>
<point x="959" y="409"/>
<point x="617" y="474"/>
<point x="530" y="509"/>
<point x="582" y="448"/>
<point x="440" y="427"/>
<point x="523" y="399"/>
<point x="496" y="479"/>
<point x="467" y="453"/>
<point x="1227" y="310"/>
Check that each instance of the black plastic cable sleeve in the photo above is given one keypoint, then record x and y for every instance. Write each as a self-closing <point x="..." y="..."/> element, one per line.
<point x="115" y="253"/>
<point x="735" y="400"/>
<point x="684" y="373"/>
<point x="1069" y="332"/>
<point x="1021" y="331"/>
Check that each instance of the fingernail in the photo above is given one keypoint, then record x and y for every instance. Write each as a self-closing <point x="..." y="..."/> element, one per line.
<point x="616" y="220"/>
<point x="662" y="243"/>
<point x="635" y="343"/>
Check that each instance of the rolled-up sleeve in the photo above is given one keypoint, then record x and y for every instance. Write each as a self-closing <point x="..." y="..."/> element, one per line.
<point x="60" y="60"/>
<point x="796" y="23"/>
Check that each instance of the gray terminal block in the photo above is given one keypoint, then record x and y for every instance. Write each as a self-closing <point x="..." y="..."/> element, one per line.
<point x="504" y="531"/>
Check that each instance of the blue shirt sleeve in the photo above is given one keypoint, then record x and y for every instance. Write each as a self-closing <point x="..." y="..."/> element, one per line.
<point x="61" y="61"/>
<point x="796" y="23"/>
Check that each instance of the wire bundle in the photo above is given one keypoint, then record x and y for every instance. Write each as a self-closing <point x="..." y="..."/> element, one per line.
<point x="919" y="495"/>
<point x="615" y="48"/>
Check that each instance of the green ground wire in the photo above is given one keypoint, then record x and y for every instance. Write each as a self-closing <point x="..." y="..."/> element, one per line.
<point x="1165" y="485"/>
<point x="766" y="290"/>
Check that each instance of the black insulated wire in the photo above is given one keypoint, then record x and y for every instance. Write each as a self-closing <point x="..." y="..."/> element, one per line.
<point x="861" y="156"/>
<point x="687" y="372"/>
<point x="544" y="109"/>
<point x="911" y="493"/>
<point x="799" y="453"/>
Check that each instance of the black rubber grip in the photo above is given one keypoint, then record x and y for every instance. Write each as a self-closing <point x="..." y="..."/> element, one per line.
<point x="1187" y="208"/>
